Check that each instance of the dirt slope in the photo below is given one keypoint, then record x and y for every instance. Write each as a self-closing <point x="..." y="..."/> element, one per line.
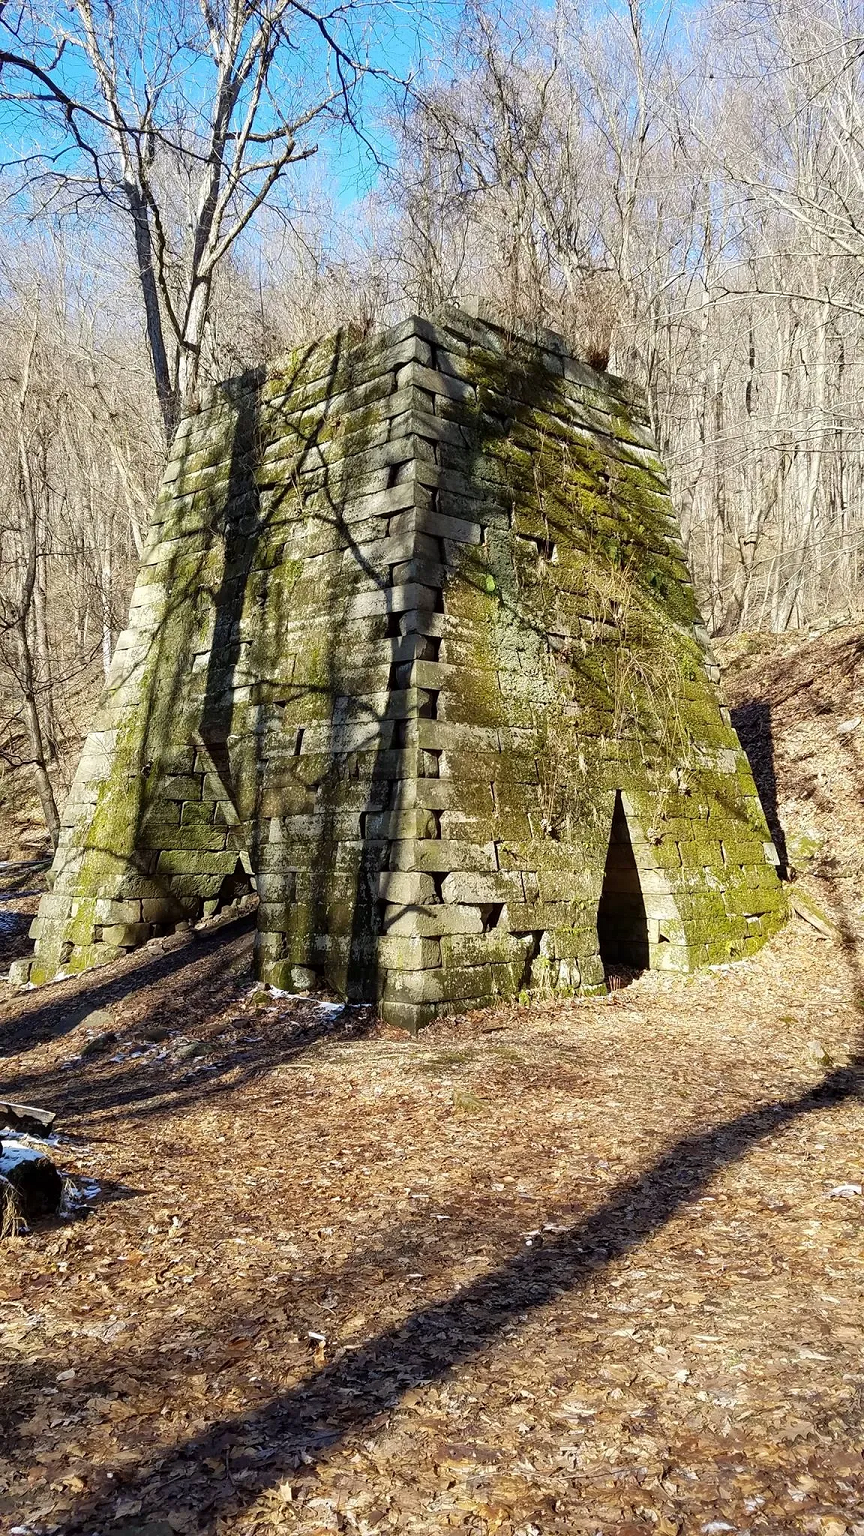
<point x="798" y="705"/>
<point x="567" y="1269"/>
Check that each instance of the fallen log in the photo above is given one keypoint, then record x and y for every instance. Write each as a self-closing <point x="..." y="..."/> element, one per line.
<point x="24" y="1117"/>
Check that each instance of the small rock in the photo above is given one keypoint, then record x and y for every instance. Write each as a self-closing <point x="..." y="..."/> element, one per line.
<point x="98" y="1044"/>
<point x="848" y="726"/>
<point x="99" y="1019"/>
<point x="189" y="1051"/>
<point x="303" y="979"/>
<point x="845" y="1192"/>
<point x="816" y="1055"/>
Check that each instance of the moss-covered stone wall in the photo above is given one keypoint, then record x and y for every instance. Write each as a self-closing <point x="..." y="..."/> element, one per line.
<point x="413" y="612"/>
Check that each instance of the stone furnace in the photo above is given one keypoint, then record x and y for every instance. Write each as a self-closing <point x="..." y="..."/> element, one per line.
<point x="413" y="652"/>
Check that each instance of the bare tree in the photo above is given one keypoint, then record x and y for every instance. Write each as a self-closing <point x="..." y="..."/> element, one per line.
<point x="69" y="414"/>
<point x="22" y="540"/>
<point x="687" y="205"/>
<point x="183" y="119"/>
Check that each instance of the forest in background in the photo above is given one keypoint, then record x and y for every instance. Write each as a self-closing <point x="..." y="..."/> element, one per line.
<point x="189" y="190"/>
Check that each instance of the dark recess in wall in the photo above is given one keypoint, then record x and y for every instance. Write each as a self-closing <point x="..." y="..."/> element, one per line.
<point x="622" y="927"/>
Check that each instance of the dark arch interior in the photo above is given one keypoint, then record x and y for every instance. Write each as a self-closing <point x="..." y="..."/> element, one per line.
<point x="622" y="927"/>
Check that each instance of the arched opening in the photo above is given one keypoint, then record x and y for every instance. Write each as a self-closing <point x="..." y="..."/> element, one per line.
<point x="622" y="926"/>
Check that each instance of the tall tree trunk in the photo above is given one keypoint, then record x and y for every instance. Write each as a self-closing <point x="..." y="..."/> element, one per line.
<point x="189" y="359"/>
<point x="43" y="663"/>
<point x="165" y="390"/>
<point x="33" y="727"/>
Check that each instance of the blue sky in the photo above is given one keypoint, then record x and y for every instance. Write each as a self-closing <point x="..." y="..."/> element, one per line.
<point x="409" y="38"/>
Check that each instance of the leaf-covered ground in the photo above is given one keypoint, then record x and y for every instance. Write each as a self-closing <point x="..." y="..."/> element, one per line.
<point x="568" y="1269"/>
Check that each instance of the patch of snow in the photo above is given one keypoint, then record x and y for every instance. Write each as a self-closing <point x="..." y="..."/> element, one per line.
<point x="304" y="997"/>
<point x="15" y="1152"/>
<point x="76" y="1192"/>
<point x="9" y="1134"/>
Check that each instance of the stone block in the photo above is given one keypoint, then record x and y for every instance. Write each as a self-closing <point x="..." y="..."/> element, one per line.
<point x="181" y="787"/>
<point x="273" y="917"/>
<point x="431" y="921"/>
<point x="86" y="957"/>
<point x="542" y="854"/>
<point x="399" y="825"/>
<point x="560" y="885"/>
<point x="440" y="857"/>
<point x="126" y="935"/>
<point x="196" y="813"/>
<point x="506" y="827"/>
<point x="473" y="799"/>
<point x="476" y="889"/>
<point x="276" y="885"/>
<point x="435" y="382"/>
<point x="405" y="953"/>
<point x="406" y="887"/>
<point x="671" y="957"/>
<point x="423" y="520"/>
<point x="410" y="1016"/>
<point x="661" y="907"/>
<point x="176" y="861"/>
<point x="19" y="973"/>
<point x="531" y="917"/>
<point x="320" y="828"/>
<point x="194" y="835"/>
<point x="160" y="910"/>
<point x="561" y="944"/>
<point x="108" y="911"/>
<point x="483" y="949"/>
<point x="441" y="737"/>
<point x="57" y="905"/>
<point x="428" y="573"/>
<point x="442" y="985"/>
<point x="469" y="766"/>
<point x="287" y="976"/>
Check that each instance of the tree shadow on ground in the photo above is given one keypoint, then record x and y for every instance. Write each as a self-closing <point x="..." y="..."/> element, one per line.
<point x="47" y="1013"/>
<point x="752" y="721"/>
<point x="348" y="1395"/>
<point x="154" y="1083"/>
